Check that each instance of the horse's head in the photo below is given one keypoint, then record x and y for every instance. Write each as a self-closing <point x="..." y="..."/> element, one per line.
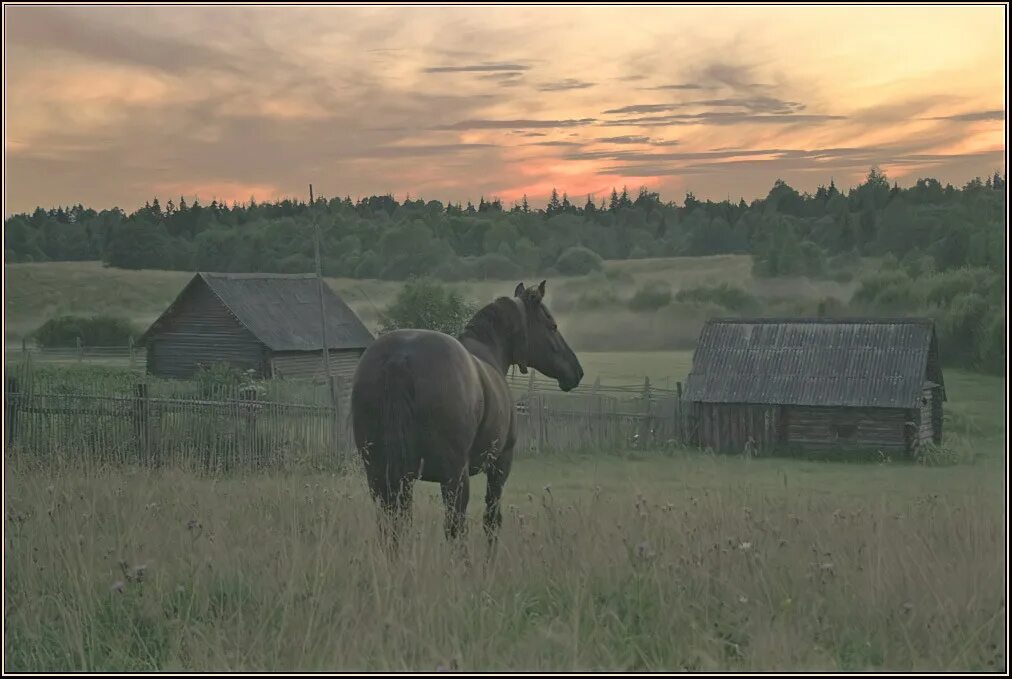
<point x="547" y="351"/>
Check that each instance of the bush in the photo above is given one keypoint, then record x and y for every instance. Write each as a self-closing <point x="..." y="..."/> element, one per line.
<point x="651" y="297"/>
<point x="96" y="331"/>
<point x="872" y="286"/>
<point x="937" y="455"/>
<point x="991" y="344"/>
<point x="618" y="275"/>
<point x="830" y="307"/>
<point x="496" y="266"/>
<point x="454" y="269"/>
<point x="210" y="378"/>
<point x="962" y="328"/>
<point x="596" y="298"/>
<point x="943" y="287"/>
<point x="728" y="296"/>
<point x="428" y="305"/>
<point x="578" y="260"/>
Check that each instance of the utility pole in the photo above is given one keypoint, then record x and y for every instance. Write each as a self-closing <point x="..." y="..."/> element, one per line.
<point x="319" y="280"/>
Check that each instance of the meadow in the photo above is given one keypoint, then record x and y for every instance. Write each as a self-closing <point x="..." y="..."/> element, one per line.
<point x="38" y="292"/>
<point x="624" y="561"/>
<point x="633" y="560"/>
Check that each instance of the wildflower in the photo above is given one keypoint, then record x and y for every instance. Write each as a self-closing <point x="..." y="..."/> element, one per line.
<point x="137" y="574"/>
<point x="745" y="546"/>
<point x="643" y="551"/>
<point x="742" y="599"/>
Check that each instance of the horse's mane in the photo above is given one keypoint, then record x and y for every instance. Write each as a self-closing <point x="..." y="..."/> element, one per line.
<point x="499" y="319"/>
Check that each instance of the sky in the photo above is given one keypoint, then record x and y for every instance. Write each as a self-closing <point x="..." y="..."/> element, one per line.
<point x="111" y="106"/>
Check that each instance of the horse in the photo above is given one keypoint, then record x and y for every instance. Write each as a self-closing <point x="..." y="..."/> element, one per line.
<point x="429" y="406"/>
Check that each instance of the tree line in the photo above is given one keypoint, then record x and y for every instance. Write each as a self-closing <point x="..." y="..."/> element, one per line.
<point x="788" y="232"/>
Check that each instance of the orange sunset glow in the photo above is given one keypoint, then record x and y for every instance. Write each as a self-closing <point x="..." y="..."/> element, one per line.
<point x="115" y="105"/>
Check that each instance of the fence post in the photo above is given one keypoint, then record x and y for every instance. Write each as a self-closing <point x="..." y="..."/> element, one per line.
<point x="530" y="411"/>
<point x="679" y="415"/>
<point x="336" y="388"/>
<point x="24" y="346"/>
<point x="248" y="399"/>
<point x="647" y="410"/>
<point x="599" y="426"/>
<point x="140" y="418"/>
<point x="130" y="347"/>
<point x="12" y="409"/>
<point x="541" y="425"/>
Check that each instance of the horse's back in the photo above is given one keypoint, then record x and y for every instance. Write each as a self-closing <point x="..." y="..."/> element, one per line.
<point x="432" y="382"/>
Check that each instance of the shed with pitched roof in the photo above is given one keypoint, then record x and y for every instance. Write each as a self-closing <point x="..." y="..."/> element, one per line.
<point x="817" y="383"/>
<point x="269" y="323"/>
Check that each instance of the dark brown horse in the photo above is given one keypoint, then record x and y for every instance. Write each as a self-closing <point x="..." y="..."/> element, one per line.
<point x="429" y="406"/>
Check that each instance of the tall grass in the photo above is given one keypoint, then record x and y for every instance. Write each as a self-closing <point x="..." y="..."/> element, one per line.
<point x="697" y="563"/>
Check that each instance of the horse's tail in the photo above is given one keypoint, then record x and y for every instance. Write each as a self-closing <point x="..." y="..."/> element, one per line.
<point x="397" y="407"/>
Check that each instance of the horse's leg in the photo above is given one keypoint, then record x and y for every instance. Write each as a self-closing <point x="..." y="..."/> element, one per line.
<point x="456" y="492"/>
<point x="497" y="472"/>
<point x="394" y="497"/>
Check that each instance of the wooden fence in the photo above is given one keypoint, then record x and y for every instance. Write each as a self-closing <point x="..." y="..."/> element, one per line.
<point x="288" y="423"/>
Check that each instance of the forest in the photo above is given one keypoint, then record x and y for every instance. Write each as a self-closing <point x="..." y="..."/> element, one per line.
<point x="941" y="248"/>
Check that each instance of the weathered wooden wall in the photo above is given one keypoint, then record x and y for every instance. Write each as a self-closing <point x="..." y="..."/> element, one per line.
<point x="925" y="429"/>
<point x="819" y="427"/>
<point x="302" y="364"/>
<point x="727" y="427"/>
<point x="202" y="330"/>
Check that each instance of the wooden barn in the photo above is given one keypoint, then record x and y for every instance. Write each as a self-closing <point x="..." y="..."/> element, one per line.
<point x="816" y="384"/>
<point x="267" y="322"/>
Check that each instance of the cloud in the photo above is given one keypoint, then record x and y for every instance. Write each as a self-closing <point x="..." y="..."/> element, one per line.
<point x="420" y="150"/>
<point x="522" y="123"/>
<point x="758" y="104"/>
<point x="997" y="114"/>
<point x="677" y="86"/>
<point x="643" y="108"/>
<point x="84" y="33"/>
<point x="477" y="68"/>
<point x="735" y="76"/>
<point x="562" y="85"/>
<point x="504" y="79"/>
<point x="775" y="160"/>
<point x="627" y="139"/>
<point x="722" y="118"/>
<point x="554" y="143"/>
<point x="637" y="139"/>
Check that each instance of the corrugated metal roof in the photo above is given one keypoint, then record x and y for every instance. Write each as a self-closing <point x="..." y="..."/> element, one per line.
<point x="283" y="310"/>
<point x="808" y="361"/>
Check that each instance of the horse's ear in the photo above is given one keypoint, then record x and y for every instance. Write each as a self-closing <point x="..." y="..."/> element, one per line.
<point x="541" y="288"/>
<point x="520" y="289"/>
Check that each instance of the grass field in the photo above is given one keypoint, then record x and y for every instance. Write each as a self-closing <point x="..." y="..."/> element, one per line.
<point x="37" y="292"/>
<point x="624" y="562"/>
<point x="628" y="561"/>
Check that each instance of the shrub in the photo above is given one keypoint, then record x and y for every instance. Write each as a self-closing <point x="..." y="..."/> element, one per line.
<point x="991" y="344"/>
<point x="94" y="331"/>
<point x="596" y="298"/>
<point x="429" y="305"/>
<point x="943" y="287"/>
<point x="728" y="296"/>
<point x="496" y="266"/>
<point x="578" y="260"/>
<point x="651" y="297"/>
<point x="871" y="286"/>
<point x="962" y="328"/>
